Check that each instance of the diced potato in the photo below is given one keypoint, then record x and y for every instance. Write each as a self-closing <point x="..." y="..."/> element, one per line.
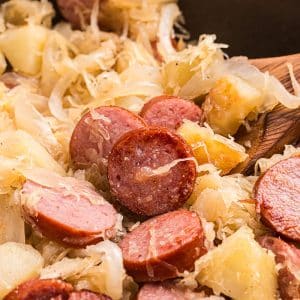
<point x="21" y="12"/>
<point x="190" y="72"/>
<point x="176" y="74"/>
<point x="11" y="222"/>
<point x="239" y="268"/>
<point x="212" y="205"/>
<point x="23" y="148"/>
<point x="208" y="147"/>
<point x="10" y="176"/>
<point x="19" y="151"/>
<point x="23" y="48"/>
<point x="229" y="103"/>
<point x="208" y="181"/>
<point x="18" y="263"/>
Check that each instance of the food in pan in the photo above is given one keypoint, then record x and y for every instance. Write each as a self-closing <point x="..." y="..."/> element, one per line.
<point x="121" y="147"/>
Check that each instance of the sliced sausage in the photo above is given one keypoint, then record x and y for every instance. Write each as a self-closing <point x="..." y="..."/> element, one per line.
<point x="87" y="295"/>
<point x="289" y="257"/>
<point x="277" y="194"/>
<point x="83" y="295"/>
<point x="170" y="111"/>
<point x="10" y="79"/>
<point x="40" y="289"/>
<point x="169" y="291"/>
<point x="76" y="11"/>
<point x="164" y="246"/>
<point x="289" y="284"/>
<point x="70" y="212"/>
<point x="97" y="132"/>
<point x="151" y="171"/>
<point x="152" y="291"/>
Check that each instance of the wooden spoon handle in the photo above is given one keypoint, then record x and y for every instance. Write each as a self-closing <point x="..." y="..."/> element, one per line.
<point x="277" y="66"/>
<point x="273" y="130"/>
<point x="261" y="62"/>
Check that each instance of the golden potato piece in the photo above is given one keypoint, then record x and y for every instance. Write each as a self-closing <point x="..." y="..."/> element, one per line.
<point x="209" y="147"/>
<point x="23" y="47"/>
<point x="239" y="268"/>
<point x="229" y="103"/>
<point x="175" y="75"/>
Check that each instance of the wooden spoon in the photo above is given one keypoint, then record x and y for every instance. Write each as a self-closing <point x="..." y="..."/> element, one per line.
<point x="272" y="130"/>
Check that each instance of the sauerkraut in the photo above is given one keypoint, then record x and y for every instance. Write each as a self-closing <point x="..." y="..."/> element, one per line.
<point x="239" y="268"/>
<point x="209" y="147"/>
<point x="53" y="74"/>
<point x="264" y="164"/>
<point x="18" y="263"/>
<point x="227" y="202"/>
<point x="98" y="268"/>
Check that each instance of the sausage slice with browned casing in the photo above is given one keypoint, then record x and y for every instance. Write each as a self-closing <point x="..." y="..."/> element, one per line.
<point x="68" y="211"/>
<point x="151" y="171"/>
<point x="164" y="246"/>
<point x="288" y="256"/>
<point x="151" y="291"/>
<point x="97" y="132"/>
<point x="277" y="193"/>
<point x="87" y="295"/>
<point x="76" y="11"/>
<point x="38" y="289"/>
<point x="170" y="112"/>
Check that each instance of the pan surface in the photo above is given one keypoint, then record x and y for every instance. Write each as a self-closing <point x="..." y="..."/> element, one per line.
<point x="256" y="28"/>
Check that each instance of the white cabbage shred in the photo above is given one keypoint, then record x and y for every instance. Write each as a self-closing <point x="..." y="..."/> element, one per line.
<point x="227" y="202"/>
<point x="264" y="164"/>
<point x="98" y="268"/>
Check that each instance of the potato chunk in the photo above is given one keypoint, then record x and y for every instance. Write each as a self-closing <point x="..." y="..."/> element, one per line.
<point x="208" y="147"/>
<point x="19" y="151"/>
<point x="23" y="47"/>
<point x="19" y="144"/>
<point x="175" y="75"/>
<point x="228" y="104"/>
<point x="12" y="227"/>
<point x="18" y="263"/>
<point x="190" y="73"/>
<point x="239" y="268"/>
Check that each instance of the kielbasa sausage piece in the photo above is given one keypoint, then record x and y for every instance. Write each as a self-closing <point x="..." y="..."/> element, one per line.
<point x="71" y="212"/>
<point x="277" y="194"/>
<point x="10" y="79"/>
<point x="87" y="295"/>
<point x="151" y="171"/>
<point x="40" y="289"/>
<point x="76" y="11"/>
<point x="152" y="291"/>
<point x="170" y="111"/>
<point x="97" y="132"/>
<point x="289" y="257"/>
<point x="164" y="246"/>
